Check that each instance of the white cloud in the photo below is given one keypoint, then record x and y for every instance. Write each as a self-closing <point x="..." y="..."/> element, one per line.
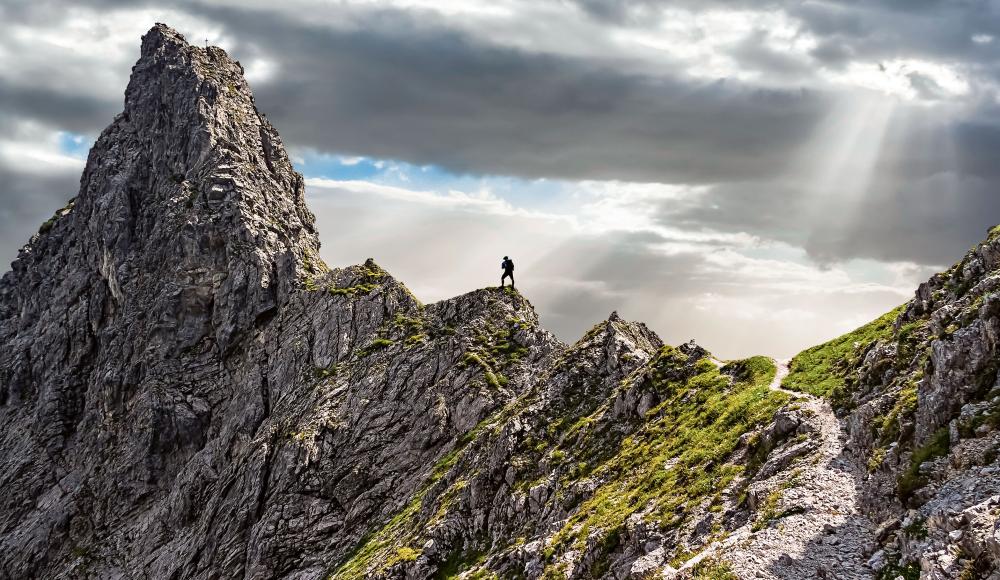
<point x="482" y="201"/>
<point x="901" y="78"/>
<point x="34" y="149"/>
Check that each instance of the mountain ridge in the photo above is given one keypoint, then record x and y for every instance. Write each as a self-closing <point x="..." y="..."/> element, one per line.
<point x="188" y="391"/>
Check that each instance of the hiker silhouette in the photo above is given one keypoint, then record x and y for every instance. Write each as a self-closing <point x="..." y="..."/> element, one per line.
<point x="508" y="271"/>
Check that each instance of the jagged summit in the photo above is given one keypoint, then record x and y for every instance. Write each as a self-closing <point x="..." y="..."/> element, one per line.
<point x="190" y="186"/>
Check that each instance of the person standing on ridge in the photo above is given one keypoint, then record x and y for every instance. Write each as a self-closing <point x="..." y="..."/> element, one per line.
<point x="508" y="271"/>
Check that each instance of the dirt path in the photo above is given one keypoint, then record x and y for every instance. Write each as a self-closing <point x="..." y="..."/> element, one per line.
<point x="779" y="376"/>
<point x="816" y="529"/>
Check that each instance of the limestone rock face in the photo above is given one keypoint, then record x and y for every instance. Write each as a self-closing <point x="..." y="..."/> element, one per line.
<point x="185" y="389"/>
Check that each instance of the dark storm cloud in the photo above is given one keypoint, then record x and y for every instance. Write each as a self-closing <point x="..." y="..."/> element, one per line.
<point x="886" y="29"/>
<point x="872" y="29"/>
<point x="633" y="11"/>
<point x="770" y="209"/>
<point x="931" y="220"/>
<point x="62" y="111"/>
<point x="933" y="195"/>
<point x="409" y="87"/>
<point x="406" y="90"/>
<point x="28" y="199"/>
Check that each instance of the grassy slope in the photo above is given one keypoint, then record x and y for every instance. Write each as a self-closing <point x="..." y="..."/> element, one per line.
<point x="821" y="370"/>
<point x="828" y="370"/>
<point x="695" y="430"/>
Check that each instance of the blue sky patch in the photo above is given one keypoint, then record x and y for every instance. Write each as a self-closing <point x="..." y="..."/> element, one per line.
<point x="74" y="144"/>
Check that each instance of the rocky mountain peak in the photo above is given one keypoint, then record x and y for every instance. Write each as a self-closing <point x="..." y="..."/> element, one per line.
<point x="189" y="187"/>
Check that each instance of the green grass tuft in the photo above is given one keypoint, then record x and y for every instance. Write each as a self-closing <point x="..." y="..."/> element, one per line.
<point x="713" y="570"/>
<point x="821" y="369"/>
<point x="911" y="479"/>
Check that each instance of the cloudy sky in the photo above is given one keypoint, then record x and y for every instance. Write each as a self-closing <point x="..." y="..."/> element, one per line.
<point x="757" y="175"/>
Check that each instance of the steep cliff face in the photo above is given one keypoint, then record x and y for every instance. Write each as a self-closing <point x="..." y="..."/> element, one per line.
<point x="189" y="229"/>
<point x="188" y="391"/>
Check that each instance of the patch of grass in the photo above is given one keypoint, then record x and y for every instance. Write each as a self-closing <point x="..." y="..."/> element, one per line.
<point x="462" y="564"/>
<point x="312" y="263"/>
<point x="378" y="344"/>
<point x="756" y="370"/>
<point x="709" y="569"/>
<point x="910" y="571"/>
<point x="911" y="479"/>
<point x="907" y="340"/>
<point x="493" y="379"/>
<point x="376" y="546"/>
<point x="482" y="575"/>
<point x="325" y="373"/>
<point x="403" y="529"/>
<point x="351" y="291"/>
<point x="876" y="459"/>
<point x="917" y="529"/>
<point x="412" y="326"/>
<point x="49" y="223"/>
<point x="556" y="572"/>
<point x="370" y="280"/>
<point x="498" y="343"/>
<point x="905" y="406"/>
<point x="769" y="510"/>
<point x="403" y="554"/>
<point x="821" y="370"/>
<point x="608" y="544"/>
